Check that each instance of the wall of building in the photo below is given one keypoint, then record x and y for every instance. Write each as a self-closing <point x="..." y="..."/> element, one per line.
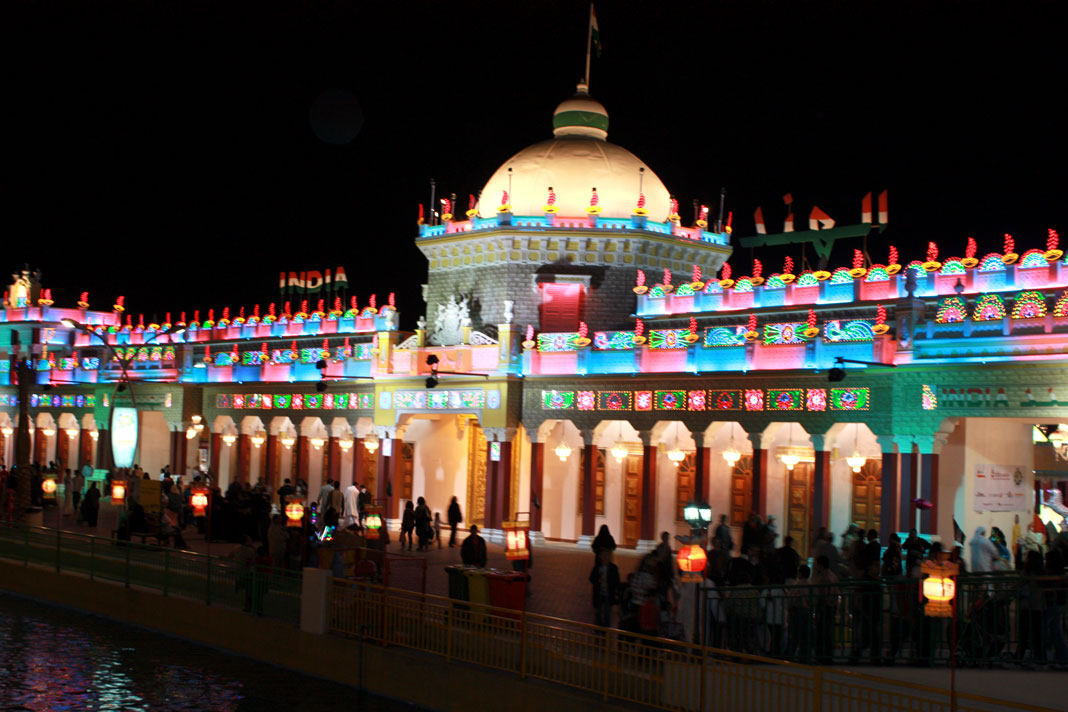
<point x="439" y="469"/>
<point x="560" y="493"/>
<point x="153" y="442"/>
<point x="994" y="441"/>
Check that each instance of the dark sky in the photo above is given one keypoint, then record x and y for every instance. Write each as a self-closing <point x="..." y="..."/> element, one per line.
<point x="164" y="149"/>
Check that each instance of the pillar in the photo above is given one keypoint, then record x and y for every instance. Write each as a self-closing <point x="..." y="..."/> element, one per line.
<point x="391" y="485"/>
<point x="335" y="459"/>
<point x="503" y="490"/>
<point x="303" y="457"/>
<point x="888" y="503"/>
<point x="760" y="474"/>
<point x="271" y="458"/>
<point x="216" y="452"/>
<point x="537" y="478"/>
<point x="589" y="485"/>
<point x="906" y="483"/>
<point x="821" y="486"/>
<point x="244" y="458"/>
<point x="927" y="483"/>
<point x="648" y="528"/>
<point x="702" y="472"/>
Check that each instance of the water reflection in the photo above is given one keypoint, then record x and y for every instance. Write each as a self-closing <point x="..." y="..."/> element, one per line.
<point x="54" y="659"/>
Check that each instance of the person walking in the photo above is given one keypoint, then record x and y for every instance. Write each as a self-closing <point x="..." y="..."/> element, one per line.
<point x="604" y="541"/>
<point x="437" y="528"/>
<point x="455" y="517"/>
<point x="352" y="506"/>
<point x="723" y="535"/>
<point x="407" y="524"/>
<point x="826" y="602"/>
<point x="91" y="505"/>
<point x="984" y="553"/>
<point x="422" y="524"/>
<point x="68" y="501"/>
<point x="605" y="579"/>
<point x="473" y="550"/>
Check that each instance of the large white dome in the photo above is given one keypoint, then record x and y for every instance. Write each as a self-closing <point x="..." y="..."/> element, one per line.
<point x="573" y="163"/>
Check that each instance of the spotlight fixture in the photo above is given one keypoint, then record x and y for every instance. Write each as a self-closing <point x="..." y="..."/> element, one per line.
<point x="320" y="364"/>
<point x="320" y="387"/>
<point x="838" y="374"/>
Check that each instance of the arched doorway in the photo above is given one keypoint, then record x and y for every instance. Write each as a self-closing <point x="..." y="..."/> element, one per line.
<point x="867" y="495"/>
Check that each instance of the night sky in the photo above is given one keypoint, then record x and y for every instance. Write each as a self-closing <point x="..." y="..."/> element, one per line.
<point x="173" y="151"/>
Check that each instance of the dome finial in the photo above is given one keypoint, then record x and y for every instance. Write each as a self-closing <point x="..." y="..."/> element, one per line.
<point x="581" y="115"/>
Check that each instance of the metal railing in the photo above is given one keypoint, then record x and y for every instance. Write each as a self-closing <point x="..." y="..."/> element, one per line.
<point x="1002" y="618"/>
<point x="213" y="580"/>
<point x="615" y="664"/>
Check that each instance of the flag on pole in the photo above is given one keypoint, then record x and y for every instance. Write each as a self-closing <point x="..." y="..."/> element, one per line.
<point x="595" y="32"/>
<point x="758" y="217"/>
<point x="865" y="209"/>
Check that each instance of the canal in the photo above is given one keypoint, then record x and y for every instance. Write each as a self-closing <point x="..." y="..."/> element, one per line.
<point x="59" y="659"/>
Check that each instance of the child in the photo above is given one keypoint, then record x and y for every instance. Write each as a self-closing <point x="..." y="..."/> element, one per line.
<point x="437" y="527"/>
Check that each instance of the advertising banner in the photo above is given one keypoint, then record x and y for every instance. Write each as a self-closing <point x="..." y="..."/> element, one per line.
<point x="123" y="436"/>
<point x="1000" y="488"/>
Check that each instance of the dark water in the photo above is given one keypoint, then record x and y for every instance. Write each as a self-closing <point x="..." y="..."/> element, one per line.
<point x="57" y="659"/>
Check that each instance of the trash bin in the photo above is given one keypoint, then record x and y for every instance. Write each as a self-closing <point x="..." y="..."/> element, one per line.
<point x="457" y="583"/>
<point x="507" y="589"/>
<point x="477" y="585"/>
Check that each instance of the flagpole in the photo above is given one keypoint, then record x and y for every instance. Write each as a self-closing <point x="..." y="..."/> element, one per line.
<point x="589" y="43"/>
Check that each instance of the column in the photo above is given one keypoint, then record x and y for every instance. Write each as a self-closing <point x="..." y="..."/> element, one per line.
<point x="537" y="478"/>
<point x="906" y="483"/>
<point x="888" y="503"/>
<point x="360" y="474"/>
<point x="302" y="457"/>
<point x="216" y="451"/>
<point x="391" y="484"/>
<point x="270" y="463"/>
<point x="760" y="474"/>
<point x="503" y="490"/>
<point x="648" y="528"/>
<point x="821" y="486"/>
<point x="702" y="461"/>
<point x="927" y="484"/>
<point x="244" y="458"/>
<point x="589" y="485"/>
<point x="335" y="459"/>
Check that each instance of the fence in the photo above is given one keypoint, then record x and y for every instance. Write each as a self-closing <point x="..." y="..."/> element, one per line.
<point x="1001" y="618"/>
<point x="618" y="665"/>
<point x="272" y="592"/>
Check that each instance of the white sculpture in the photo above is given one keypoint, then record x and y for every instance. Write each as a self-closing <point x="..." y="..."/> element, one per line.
<point x="450" y="317"/>
<point x="509" y="313"/>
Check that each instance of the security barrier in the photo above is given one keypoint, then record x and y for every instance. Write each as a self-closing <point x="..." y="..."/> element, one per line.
<point x="614" y="664"/>
<point x="213" y="580"/>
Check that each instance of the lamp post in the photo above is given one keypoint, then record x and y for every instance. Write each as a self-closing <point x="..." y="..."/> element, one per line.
<point x="938" y="592"/>
<point x="691" y="558"/>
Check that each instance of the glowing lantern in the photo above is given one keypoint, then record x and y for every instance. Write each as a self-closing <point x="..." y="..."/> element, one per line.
<point x="619" y="451"/>
<point x="94" y="434"/>
<point x="318" y="443"/>
<point x="856" y="461"/>
<point x="229" y="439"/>
<point x="259" y="438"/>
<point x="287" y="440"/>
<point x="294" y="513"/>
<point x="732" y="456"/>
<point x="372" y="522"/>
<point x="563" y="451"/>
<point x="48" y="431"/>
<point x="790" y="460"/>
<point x="939" y="588"/>
<point x="691" y="559"/>
<point x="199" y="501"/>
<point x="345" y="443"/>
<point x="516" y="540"/>
<point x="72" y="433"/>
<point x="118" y="492"/>
<point x="7" y="431"/>
<point x="676" y="456"/>
<point x="370" y="442"/>
<point x="48" y="486"/>
<point x="190" y="433"/>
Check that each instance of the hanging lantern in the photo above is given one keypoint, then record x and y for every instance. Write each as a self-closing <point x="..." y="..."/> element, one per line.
<point x="732" y="456"/>
<point x="94" y="434"/>
<point x="676" y="455"/>
<point x="48" y="486"/>
<point x="259" y="438"/>
<point x="939" y="588"/>
<point x="856" y="461"/>
<point x="345" y="443"/>
<point x="199" y="500"/>
<point x="317" y="443"/>
<point x="372" y="522"/>
<point x="198" y="422"/>
<point x="190" y="433"/>
<point x="516" y="534"/>
<point x="691" y="560"/>
<point x="118" y="492"/>
<point x="294" y="513"/>
<point x="370" y="442"/>
<point x="7" y="431"/>
<point x="790" y="460"/>
<point x="287" y="440"/>
<point x="48" y="431"/>
<point x="619" y="451"/>
<point x="563" y="451"/>
<point x="229" y="439"/>
<point x="72" y="433"/>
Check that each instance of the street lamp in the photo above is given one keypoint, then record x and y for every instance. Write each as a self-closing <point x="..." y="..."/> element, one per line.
<point x="698" y="515"/>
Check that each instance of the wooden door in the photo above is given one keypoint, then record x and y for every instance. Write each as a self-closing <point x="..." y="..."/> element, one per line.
<point x="632" y="500"/>
<point x="406" y="467"/>
<point x="598" y="481"/>
<point x="798" y="505"/>
<point x="684" y="485"/>
<point x="741" y="491"/>
<point x="867" y="495"/>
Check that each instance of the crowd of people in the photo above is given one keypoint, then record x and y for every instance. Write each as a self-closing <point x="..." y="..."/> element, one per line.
<point x="853" y="602"/>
